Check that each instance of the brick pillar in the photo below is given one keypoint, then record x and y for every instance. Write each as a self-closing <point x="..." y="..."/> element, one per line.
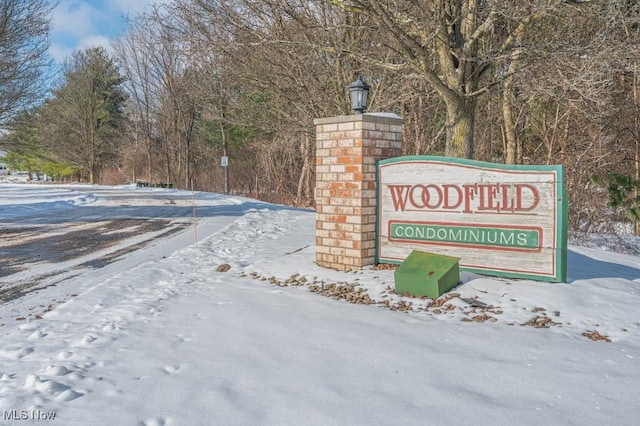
<point x="347" y="148"/>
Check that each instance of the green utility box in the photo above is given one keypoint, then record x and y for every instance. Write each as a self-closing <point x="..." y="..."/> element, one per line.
<point x="427" y="274"/>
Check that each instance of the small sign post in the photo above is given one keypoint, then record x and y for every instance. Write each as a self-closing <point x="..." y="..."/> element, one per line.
<point x="224" y="162"/>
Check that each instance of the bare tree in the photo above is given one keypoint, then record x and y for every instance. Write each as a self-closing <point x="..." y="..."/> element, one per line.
<point x="134" y="50"/>
<point x="162" y="84"/>
<point x="24" y="62"/>
<point x="454" y="46"/>
<point x="538" y="81"/>
<point x="275" y="66"/>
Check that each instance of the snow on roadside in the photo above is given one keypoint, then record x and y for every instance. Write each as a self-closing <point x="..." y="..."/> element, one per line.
<point x="22" y="200"/>
<point x="582" y="306"/>
<point x="174" y="341"/>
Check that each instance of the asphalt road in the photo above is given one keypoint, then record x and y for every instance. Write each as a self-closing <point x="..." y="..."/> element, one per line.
<point x="40" y="248"/>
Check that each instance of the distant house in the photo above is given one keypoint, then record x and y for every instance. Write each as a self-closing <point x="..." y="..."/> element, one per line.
<point x="3" y="165"/>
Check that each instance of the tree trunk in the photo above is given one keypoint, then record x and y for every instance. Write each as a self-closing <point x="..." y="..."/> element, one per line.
<point x="460" y="124"/>
<point x="134" y="167"/>
<point x="509" y="125"/>
<point x="302" y="193"/>
<point x="94" y="173"/>
<point x="149" y="159"/>
<point x="636" y="103"/>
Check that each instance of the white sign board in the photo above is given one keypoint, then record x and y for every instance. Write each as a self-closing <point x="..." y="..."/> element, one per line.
<point x="224" y="161"/>
<point x="498" y="219"/>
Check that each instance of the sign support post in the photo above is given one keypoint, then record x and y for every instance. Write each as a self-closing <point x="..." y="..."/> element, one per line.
<point x="224" y="162"/>
<point x="347" y="149"/>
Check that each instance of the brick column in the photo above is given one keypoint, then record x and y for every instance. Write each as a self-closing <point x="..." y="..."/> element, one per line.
<point x="347" y="148"/>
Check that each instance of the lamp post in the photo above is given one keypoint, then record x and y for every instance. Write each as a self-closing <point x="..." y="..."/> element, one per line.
<point x="358" y="93"/>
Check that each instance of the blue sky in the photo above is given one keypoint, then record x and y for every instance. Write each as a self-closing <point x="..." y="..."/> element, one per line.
<point x="79" y="24"/>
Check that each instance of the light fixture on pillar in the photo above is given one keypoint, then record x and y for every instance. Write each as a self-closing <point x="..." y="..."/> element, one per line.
<point x="358" y="92"/>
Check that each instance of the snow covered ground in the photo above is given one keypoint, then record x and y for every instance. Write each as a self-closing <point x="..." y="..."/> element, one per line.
<point x="225" y="323"/>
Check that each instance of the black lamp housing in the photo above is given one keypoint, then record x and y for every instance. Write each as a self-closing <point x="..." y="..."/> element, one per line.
<point x="358" y="93"/>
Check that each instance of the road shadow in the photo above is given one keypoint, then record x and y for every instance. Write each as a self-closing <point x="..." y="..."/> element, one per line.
<point x="44" y="215"/>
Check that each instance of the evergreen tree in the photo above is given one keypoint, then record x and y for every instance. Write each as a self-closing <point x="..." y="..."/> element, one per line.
<point x="84" y="118"/>
<point x="26" y="151"/>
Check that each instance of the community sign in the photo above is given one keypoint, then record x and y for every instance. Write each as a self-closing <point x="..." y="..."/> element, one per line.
<point x="498" y="219"/>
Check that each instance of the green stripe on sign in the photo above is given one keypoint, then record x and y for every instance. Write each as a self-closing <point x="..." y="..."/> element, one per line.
<point x="474" y="235"/>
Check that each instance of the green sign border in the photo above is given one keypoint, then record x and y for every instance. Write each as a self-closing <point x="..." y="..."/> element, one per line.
<point x="562" y="209"/>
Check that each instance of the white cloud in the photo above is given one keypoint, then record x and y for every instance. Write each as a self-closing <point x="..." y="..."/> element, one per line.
<point x="60" y="52"/>
<point x="75" y="18"/>
<point x="95" y="40"/>
<point x="79" y="24"/>
<point x="131" y="7"/>
<point x="73" y="21"/>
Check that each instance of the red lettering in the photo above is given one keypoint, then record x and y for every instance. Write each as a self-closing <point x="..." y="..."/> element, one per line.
<point x="505" y="197"/>
<point x="507" y="203"/>
<point x="447" y="197"/>
<point x="426" y="196"/>
<point x="469" y="190"/>
<point x="487" y="192"/>
<point x="534" y="193"/>
<point x="399" y="196"/>
<point x="412" y="199"/>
